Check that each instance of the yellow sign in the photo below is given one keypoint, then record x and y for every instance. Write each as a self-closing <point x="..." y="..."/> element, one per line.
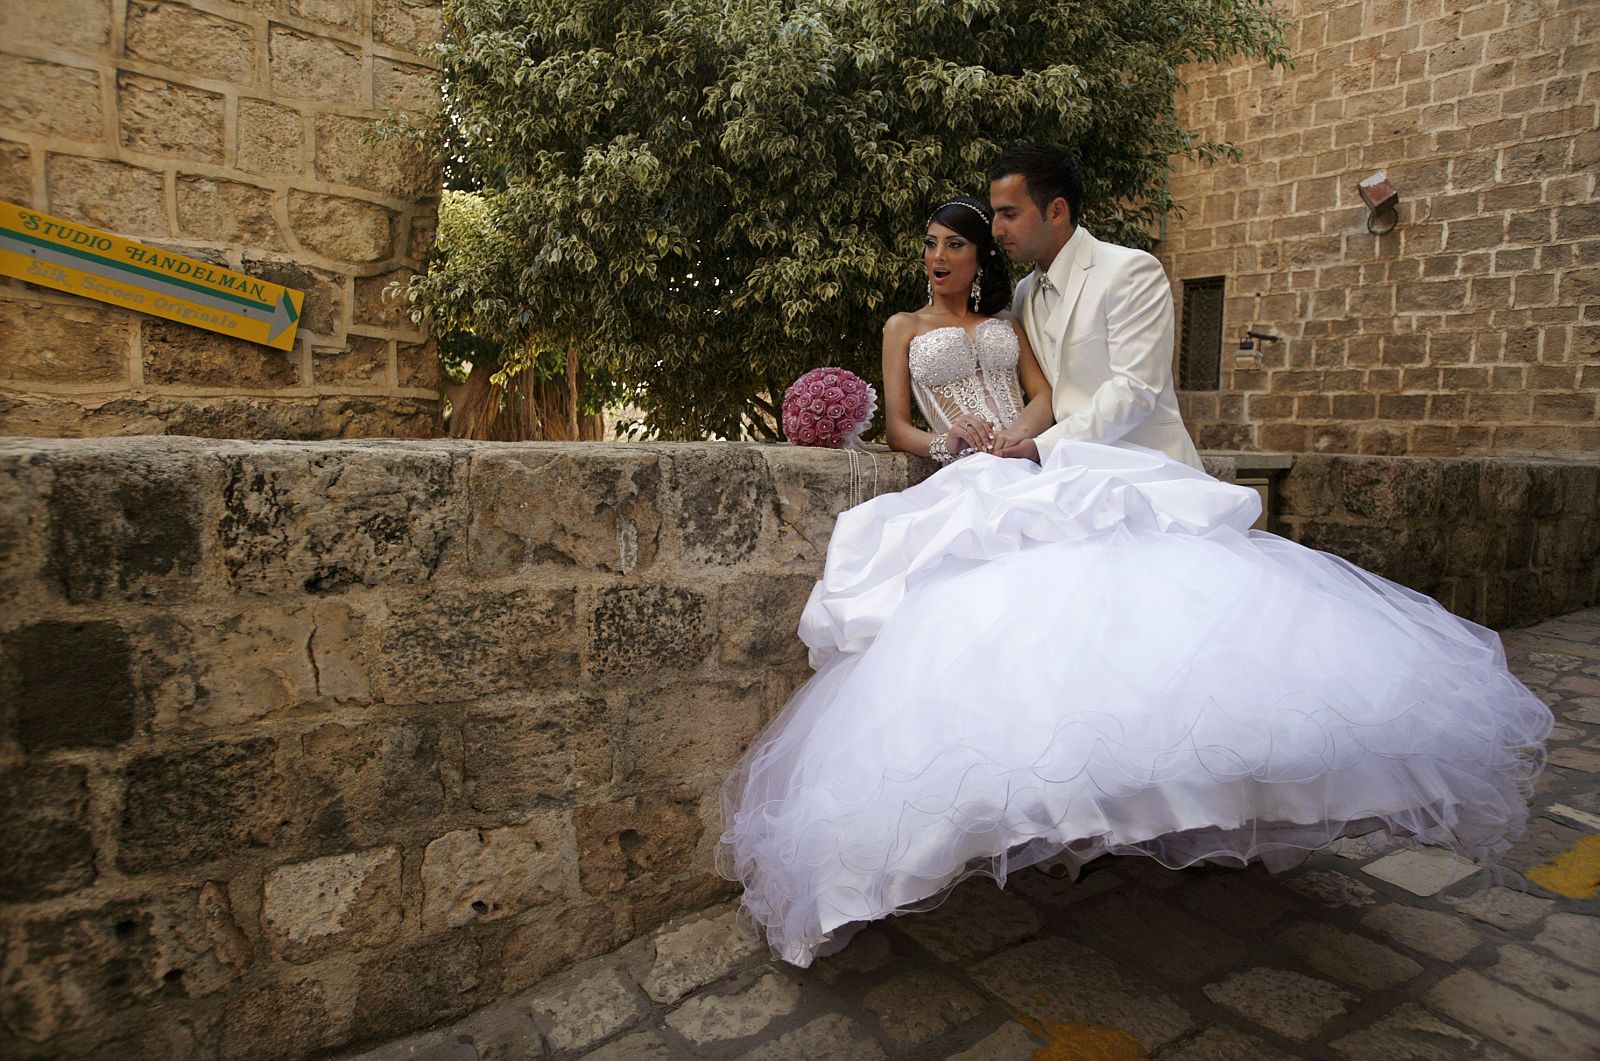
<point x="84" y="261"/>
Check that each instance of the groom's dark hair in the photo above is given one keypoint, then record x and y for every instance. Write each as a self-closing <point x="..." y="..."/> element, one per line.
<point x="1050" y="172"/>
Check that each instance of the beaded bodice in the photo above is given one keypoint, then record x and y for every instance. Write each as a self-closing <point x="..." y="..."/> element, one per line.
<point x="953" y="372"/>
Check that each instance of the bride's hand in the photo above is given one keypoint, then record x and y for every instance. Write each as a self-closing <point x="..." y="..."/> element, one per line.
<point x="1007" y="437"/>
<point x="972" y="433"/>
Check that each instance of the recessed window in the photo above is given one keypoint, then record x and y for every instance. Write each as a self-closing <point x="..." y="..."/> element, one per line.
<point x="1200" y="343"/>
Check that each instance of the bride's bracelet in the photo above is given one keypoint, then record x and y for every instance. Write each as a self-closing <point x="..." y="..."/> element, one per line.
<point x="939" y="449"/>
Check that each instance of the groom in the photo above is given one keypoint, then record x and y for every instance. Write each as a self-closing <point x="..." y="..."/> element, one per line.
<point x="1098" y="316"/>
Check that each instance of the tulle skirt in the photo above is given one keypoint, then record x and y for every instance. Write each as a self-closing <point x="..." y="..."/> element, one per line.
<point x="1016" y="663"/>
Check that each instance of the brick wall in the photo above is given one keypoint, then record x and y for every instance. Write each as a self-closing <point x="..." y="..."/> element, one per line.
<point x="1473" y="327"/>
<point x="237" y="133"/>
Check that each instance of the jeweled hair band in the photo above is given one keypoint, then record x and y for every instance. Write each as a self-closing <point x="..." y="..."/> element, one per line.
<point x="958" y="202"/>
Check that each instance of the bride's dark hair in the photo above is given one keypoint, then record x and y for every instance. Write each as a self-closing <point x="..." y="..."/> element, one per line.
<point x="971" y="218"/>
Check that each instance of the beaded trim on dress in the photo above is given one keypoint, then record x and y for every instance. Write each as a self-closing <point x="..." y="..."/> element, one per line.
<point x="954" y="372"/>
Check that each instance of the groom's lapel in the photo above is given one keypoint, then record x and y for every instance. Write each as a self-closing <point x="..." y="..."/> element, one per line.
<point x="1082" y="262"/>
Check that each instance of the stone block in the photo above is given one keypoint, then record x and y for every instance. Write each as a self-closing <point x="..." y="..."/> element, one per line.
<point x="1574" y="938"/>
<point x="1412" y="1032"/>
<point x="73" y="685"/>
<point x="362" y="362"/>
<point x="1512" y="1019"/>
<point x="639" y="1046"/>
<point x="649" y="629"/>
<point x="719" y="1018"/>
<point x="310" y="67"/>
<point x="76" y="342"/>
<point x="228" y="212"/>
<point x="362" y="782"/>
<point x="639" y="841"/>
<point x="578" y="1015"/>
<point x="550" y="938"/>
<point x="323" y="310"/>
<point x="977" y="918"/>
<point x="918" y="1007"/>
<point x="375" y="306"/>
<point x="344" y="230"/>
<point x="345" y="14"/>
<point x="524" y="502"/>
<point x="420" y="239"/>
<point x="418" y="365"/>
<point x="1166" y="940"/>
<point x="80" y="25"/>
<point x="757" y="620"/>
<point x="1224" y="1044"/>
<point x="165" y="118"/>
<point x="405" y="87"/>
<point x="694" y="954"/>
<point x="1053" y="980"/>
<point x="349" y="151"/>
<point x="319" y="520"/>
<point x="1548" y="980"/>
<point x="478" y="875"/>
<point x="1289" y="1003"/>
<point x="1388" y="490"/>
<point x="126" y="525"/>
<point x="16" y="171"/>
<point x="177" y="353"/>
<point x="82" y="967"/>
<point x="414" y="25"/>
<point x="457" y="645"/>
<point x="1426" y="871"/>
<point x="723" y="496"/>
<point x="526" y="753"/>
<point x="282" y="1017"/>
<point x="399" y="991"/>
<point x="120" y="198"/>
<point x="183" y="38"/>
<point x="271" y="139"/>
<point x="1429" y="932"/>
<point x="676" y="731"/>
<point x="1011" y="1042"/>
<point x="831" y="1037"/>
<point x="189" y="805"/>
<point x="44" y="831"/>
<point x="335" y="904"/>
<point x="44" y="97"/>
<point x="1347" y="957"/>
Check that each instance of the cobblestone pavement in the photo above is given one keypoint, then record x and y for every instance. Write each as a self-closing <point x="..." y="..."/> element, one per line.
<point x="1355" y="954"/>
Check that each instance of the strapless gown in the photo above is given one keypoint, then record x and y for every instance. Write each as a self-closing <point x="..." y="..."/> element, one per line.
<point x="1017" y="663"/>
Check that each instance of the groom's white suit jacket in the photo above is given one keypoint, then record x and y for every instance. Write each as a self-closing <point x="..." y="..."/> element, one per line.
<point x="1104" y="340"/>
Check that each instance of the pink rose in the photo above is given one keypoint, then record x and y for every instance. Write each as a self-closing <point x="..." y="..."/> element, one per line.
<point x="824" y="429"/>
<point x="836" y="412"/>
<point x="806" y="436"/>
<point x="817" y="405"/>
<point x="832" y="394"/>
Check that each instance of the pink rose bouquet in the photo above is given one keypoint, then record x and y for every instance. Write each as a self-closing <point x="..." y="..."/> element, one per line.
<point x="828" y="407"/>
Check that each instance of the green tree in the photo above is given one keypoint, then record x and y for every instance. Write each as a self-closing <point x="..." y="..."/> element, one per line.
<point x="701" y="199"/>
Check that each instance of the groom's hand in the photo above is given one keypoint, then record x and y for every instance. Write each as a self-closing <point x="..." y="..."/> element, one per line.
<point x="1026" y="448"/>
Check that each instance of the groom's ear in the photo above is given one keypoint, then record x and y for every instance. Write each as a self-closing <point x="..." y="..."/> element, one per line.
<point x="1060" y="211"/>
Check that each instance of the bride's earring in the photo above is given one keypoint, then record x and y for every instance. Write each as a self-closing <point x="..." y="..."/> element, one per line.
<point x="977" y="293"/>
<point x="930" y="292"/>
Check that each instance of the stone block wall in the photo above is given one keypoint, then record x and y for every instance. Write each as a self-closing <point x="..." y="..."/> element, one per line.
<point x="1501" y="541"/>
<point x="310" y="744"/>
<point x="304" y="745"/>
<point x="1474" y="326"/>
<point x="239" y="132"/>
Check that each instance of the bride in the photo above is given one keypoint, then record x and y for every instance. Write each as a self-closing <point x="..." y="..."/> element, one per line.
<point x="1018" y="662"/>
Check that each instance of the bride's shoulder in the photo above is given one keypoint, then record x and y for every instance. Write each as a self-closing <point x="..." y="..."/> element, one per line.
<point x="903" y="326"/>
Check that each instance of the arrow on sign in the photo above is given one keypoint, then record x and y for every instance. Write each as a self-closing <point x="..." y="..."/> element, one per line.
<point x="276" y="317"/>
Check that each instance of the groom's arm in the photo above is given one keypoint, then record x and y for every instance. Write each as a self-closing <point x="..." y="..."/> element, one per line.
<point x="1138" y="312"/>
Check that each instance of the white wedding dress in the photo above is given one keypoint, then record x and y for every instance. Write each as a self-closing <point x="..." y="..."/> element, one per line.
<point x="1016" y="663"/>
